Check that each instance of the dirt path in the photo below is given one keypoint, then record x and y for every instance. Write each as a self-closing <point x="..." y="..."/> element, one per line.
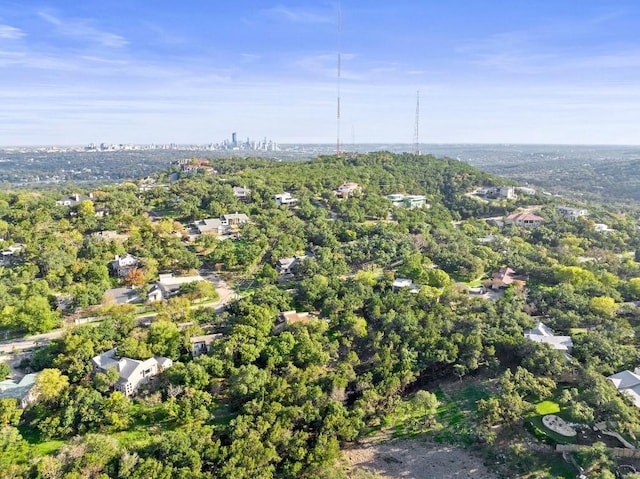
<point x="415" y="459"/>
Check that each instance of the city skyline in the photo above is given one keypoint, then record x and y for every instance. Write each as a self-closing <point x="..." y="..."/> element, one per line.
<point x="488" y="72"/>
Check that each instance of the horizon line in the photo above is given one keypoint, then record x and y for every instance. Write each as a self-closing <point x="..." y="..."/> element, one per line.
<point x="51" y="145"/>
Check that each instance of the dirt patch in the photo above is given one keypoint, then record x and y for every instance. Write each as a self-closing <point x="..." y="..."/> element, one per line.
<point x="415" y="459"/>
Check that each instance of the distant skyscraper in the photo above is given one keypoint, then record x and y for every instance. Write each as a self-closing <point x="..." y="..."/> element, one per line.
<point x="234" y="139"/>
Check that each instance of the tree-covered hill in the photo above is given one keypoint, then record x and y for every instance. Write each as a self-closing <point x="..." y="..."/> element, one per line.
<point x="391" y="308"/>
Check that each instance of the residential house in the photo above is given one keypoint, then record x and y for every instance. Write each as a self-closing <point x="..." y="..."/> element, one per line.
<point x="102" y="211"/>
<point x="234" y="219"/>
<point x="155" y="294"/>
<point x="197" y="166"/>
<point x="121" y="265"/>
<point x="524" y="220"/>
<point x="572" y="214"/>
<point x="74" y="199"/>
<point x="525" y="190"/>
<point x="628" y="383"/>
<point x="407" y="201"/>
<point x="212" y="226"/>
<point x="504" y="277"/>
<point x="490" y="238"/>
<point x="501" y="192"/>
<point x="402" y="283"/>
<point x="202" y="344"/>
<point x="121" y="296"/>
<point x="242" y="193"/>
<point x="602" y="228"/>
<point x="133" y="372"/>
<point x="11" y="254"/>
<point x="347" y="189"/>
<point x="168" y="285"/>
<point x="288" y="317"/>
<point x="543" y="334"/>
<point x="287" y="265"/>
<point x="221" y="226"/>
<point x="23" y="390"/>
<point x="285" y="199"/>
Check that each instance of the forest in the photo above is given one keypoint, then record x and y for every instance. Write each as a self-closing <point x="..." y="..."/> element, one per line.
<point x="274" y="399"/>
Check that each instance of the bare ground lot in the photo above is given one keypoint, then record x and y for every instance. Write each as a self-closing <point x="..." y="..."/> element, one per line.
<point x="414" y="459"/>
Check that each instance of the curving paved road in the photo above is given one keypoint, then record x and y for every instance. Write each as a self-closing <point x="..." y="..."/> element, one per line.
<point x="227" y="295"/>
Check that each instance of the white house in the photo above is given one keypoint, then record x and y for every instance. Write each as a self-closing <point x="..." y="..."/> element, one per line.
<point x="525" y="190"/>
<point x="73" y="200"/>
<point x="234" y="219"/>
<point x="168" y="284"/>
<point x="402" y="283"/>
<point x="501" y="192"/>
<point x="572" y="214"/>
<point x="544" y="334"/>
<point x="628" y="383"/>
<point x="121" y="265"/>
<point x="285" y="199"/>
<point x="602" y="228"/>
<point x="133" y="372"/>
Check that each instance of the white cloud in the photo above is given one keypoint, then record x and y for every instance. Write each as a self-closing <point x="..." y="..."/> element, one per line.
<point x="82" y="29"/>
<point x="7" y="32"/>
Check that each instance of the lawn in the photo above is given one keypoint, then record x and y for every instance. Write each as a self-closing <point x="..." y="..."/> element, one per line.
<point x="539" y="430"/>
<point x="39" y="447"/>
<point x="547" y="407"/>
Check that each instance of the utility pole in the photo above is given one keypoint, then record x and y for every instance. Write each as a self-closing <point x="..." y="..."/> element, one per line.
<point x="416" y="133"/>
<point x="339" y="78"/>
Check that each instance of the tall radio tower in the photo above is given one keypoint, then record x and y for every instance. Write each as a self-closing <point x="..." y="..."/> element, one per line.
<point x="416" y="133"/>
<point x="339" y="76"/>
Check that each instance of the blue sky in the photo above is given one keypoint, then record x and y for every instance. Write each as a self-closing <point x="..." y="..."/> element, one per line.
<point x="499" y="71"/>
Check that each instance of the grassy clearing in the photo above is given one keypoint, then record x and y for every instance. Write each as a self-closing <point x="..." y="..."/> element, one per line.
<point x="38" y="446"/>
<point x="137" y="437"/>
<point x="456" y="413"/>
<point x="547" y="407"/>
<point x="573" y="331"/>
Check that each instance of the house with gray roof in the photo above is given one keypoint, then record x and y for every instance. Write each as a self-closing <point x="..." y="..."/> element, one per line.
<point x="202" y="344"/>
<point x="572" y="214"/>
<point x="544" y="334"/>
<point x="211" y="226"/>
<point x="23" y="390"/>
<point x="234" y="219"/>
<point x="628" y="383"/>
<point x="286" y="266"/>
<point x="133" y="372"/>
<point x="168" y="284"/>
<point x="121" y="296"/>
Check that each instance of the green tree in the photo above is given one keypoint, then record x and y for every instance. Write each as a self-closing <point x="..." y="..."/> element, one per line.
<point x="50" y="384"/>
<point x="9" y="412"/>
<point x="603" y="306"/>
